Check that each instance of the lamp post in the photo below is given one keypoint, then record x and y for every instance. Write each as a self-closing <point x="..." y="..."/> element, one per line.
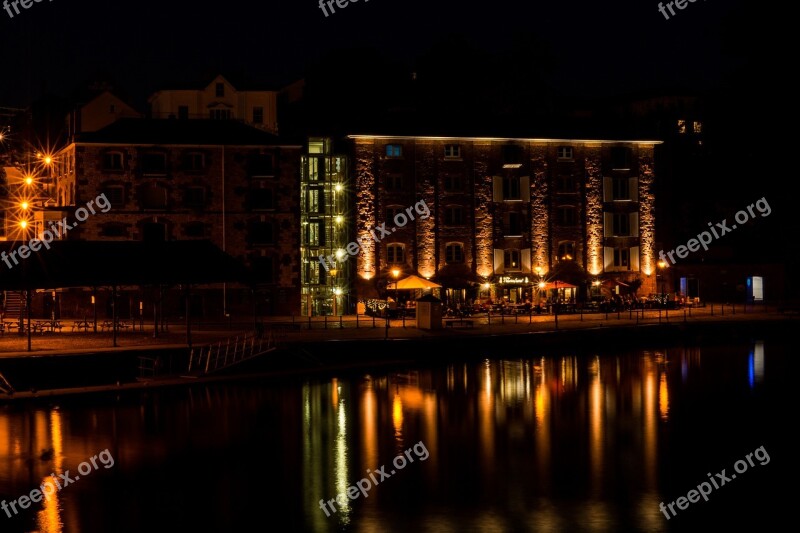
<point x="333" y="277"/>
<point x="395" y="274"/>
<point x="662" y="265"/>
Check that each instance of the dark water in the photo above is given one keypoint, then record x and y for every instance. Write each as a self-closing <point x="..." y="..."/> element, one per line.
<point x="533" y="442"/>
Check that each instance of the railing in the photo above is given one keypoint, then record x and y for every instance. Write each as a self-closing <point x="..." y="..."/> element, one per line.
<point x="216" y="356"/>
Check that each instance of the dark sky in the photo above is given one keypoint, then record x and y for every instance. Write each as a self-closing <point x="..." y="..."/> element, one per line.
<point x="599" y="48"/>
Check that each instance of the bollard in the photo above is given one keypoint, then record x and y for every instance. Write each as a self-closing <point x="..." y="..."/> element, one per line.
<point x="326" y="321"/>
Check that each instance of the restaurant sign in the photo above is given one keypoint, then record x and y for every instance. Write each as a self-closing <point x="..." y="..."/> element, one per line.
<point x="507" y="280"/>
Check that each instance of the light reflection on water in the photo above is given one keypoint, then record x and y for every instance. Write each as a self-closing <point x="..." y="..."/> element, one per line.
<point x="550" y="443"/>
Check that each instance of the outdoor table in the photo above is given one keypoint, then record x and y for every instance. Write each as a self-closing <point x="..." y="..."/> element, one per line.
<point x="80" y="324"/>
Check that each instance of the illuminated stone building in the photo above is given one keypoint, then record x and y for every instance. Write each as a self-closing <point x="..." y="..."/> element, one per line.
<point x="507" y="214"/>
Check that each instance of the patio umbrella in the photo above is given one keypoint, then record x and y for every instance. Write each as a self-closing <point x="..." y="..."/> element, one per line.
<point x="413" y="282"/>
<point x="556" y="284"/>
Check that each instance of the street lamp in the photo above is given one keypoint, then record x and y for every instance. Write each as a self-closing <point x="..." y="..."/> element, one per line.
<point x="396" y="274"/>
<point x="662" y="265"/>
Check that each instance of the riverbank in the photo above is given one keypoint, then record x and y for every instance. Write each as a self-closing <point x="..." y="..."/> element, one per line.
<point x="304" y="352"/>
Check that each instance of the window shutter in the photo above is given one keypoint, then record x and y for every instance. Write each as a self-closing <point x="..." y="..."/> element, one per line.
<point x="498" y="188"/>
<point x="633" y="184"/>
<point x="635" y="258"/>
<point x="608" y="258"/>
<point x="608" y="189"/>
<point x="608" y="224"/>
<point x="499" y="259"/>
<point x="525" y="188"/>
<point x="525" y="258"/>
<point x="634" y="224"/>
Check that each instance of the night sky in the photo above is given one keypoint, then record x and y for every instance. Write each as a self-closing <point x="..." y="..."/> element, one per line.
<point x="598" y="48"/>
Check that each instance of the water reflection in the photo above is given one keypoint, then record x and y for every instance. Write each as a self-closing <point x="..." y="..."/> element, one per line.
<point x="541" y="443"/>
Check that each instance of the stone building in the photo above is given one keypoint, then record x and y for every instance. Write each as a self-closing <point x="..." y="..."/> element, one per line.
<point x="507" y="214"/>
<point x="172" y="179"/>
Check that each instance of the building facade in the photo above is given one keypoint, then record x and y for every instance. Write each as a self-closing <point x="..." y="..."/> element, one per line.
<point x="196" y="179"/>
<point x="507" y="214"/>
<point x="325" y="218"/>
<point x="218" y="100"/>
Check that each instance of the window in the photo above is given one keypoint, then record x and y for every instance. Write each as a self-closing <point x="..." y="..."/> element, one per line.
<point x="258" y="115"/>
<point x="220" y="114"/>
<point x="113" y="161"/>
<point x="697" y="127"/>
<point x="454" y="253"/>
<point x="194" y="196"/>
<point x="194" y="161"/>
<point x="621" y="189"/>
<point x="262" y="232"/>
<point x="452" y="151"/>
<point x="681" y="126"/>
<point x="566" y="215"/>
<point x="314" y="274"/>
<point x="154" y="197"/>
<point x="154" y="164"/>
<point x="514" y="225"/>
<point x="115" y="195"/>
<point x="621" y="157"/>
<point x="220" y="89"/>
<point x="395" y="254"/>
<point x="454" y="216"/>
<point x="394" y="182"/>
<point x="567" y="184"/>
<point x="196" y="230"/>
<point x="566" y="251"/>
<point x="453" y="183"/>
<point x="263" y="165"/>
<point x="114" y="229"/>
<point x="565" y="152"/>
<point x="183" y="112"/>
<point x="315" y="233"/>
<point x="511" y="260"/>
<point x="316" y="201"/>
<point x="622" y="257"/>
<point x="394" y="150"/>
<point x="511" y="190"/>
<point x="261" y="195"/>
<point x="316" y="146"/>
<point x="621" y="225"/>
<point x="392" y="211"/>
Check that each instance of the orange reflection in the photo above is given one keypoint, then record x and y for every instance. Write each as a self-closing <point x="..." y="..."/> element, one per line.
<point x="49" y="518"/>
<point x="663" y="397"/>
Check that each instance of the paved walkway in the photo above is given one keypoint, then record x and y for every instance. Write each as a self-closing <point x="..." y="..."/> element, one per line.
<point x="294" y="329"/>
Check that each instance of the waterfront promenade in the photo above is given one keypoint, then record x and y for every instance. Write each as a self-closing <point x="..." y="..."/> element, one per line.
<point x="290" y="330"/>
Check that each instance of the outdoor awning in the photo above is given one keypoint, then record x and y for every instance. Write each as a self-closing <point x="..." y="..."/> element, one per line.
<point x="107" y="263"/>
<point x="413" y="282"/>
<point x="557" y="284"/>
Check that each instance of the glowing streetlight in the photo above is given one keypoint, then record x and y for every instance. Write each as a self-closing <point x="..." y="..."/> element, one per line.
<point x="24" y="205"/>
<point x="338" y="187"/>
<point x="339" y="219"/>
<point x="29" y="180"/>
<point x="48" y="160"/>
<point x="23" y="224"/>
